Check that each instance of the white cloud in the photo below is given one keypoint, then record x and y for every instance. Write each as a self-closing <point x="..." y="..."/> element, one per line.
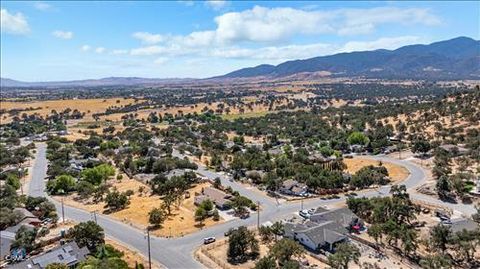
<point x="100" y="50"/>
<point x="62" y="34"/>
<point x="85" y="48"/>
<point x="161" y="60"/>
<point x="42" y="6"/>
<point x="148" y="38"/>
<point x="216" y="4"/>
<point x="119" y="51"/>
<point x="268" y="25"/>
<point x="13" y="23"/>
<point x="381" y="43"/>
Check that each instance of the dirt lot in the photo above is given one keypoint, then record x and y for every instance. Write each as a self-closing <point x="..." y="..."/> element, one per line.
<point x="395" y="172"/>
<point x="181" y="221"/>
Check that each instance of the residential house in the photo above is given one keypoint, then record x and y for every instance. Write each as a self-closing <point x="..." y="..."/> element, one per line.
<point x="461" y="224"/>
<point x="218" y="197"/>
<point x="325" y="229"/>
<point x="69" y="254"/>
<point x="7" y="236"/>
<point x="293" y="187"/>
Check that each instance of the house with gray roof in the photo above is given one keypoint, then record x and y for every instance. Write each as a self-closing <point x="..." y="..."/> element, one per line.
<point x="461" y="224"/>
<point x="293" y="187"/>
<point x="218" y="197"/>
<point x="325" y="229"/>
<point x="69" y="254"/>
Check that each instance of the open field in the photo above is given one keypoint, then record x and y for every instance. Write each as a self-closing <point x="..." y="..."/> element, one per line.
<point x="395" y="172"/>
<point x="89" y="106"/>
<point x="179" y="223"/>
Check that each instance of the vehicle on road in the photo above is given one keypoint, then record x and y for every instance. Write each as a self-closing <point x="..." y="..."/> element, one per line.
<point x="208" y="240"/>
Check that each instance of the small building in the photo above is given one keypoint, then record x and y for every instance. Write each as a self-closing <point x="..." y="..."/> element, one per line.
<point x="218" y="197"/>
<point x="293" y="187"/>
<point x="69" y="254"/>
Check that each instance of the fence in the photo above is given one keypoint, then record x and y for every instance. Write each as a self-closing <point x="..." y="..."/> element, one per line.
<point x="212" y="259"/>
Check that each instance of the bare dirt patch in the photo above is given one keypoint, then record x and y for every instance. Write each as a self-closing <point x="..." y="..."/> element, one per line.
<point x="396" y="172"/>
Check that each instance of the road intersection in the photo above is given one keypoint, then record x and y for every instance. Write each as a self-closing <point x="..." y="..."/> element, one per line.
<point x="178" y="252"/>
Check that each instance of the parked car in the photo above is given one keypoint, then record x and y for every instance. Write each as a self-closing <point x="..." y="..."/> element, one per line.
<point x="304" y="214"/>
<point x="208" y="240"/>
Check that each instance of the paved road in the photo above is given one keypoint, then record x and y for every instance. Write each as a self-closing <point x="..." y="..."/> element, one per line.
<point x="178" y="252"/>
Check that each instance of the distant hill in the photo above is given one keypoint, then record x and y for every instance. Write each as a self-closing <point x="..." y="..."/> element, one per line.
<point x="111" y="81"/>
<point x="457" y="58"/>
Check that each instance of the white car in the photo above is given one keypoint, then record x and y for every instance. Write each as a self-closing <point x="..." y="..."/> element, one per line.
<point x="208" y="240"/>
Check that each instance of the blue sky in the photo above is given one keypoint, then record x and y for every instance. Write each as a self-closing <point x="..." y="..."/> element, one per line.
<point x="45" y="41"/>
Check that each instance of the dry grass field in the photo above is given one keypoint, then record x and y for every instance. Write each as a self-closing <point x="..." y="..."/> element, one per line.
<point x="395" y="172"/>
<point x="83" y="105"/>
<point x="181" y="221"/>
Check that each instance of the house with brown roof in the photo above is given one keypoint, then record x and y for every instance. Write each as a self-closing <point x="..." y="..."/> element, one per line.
<point x="218" y="197"/>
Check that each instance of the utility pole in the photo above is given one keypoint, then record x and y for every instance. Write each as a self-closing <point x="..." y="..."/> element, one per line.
<point x="95" y="216"/>
<point x="302" y="202"/>
<point x="148" y="246"/>
<point x="63" y="211"/>
<point x="258" y="215"/>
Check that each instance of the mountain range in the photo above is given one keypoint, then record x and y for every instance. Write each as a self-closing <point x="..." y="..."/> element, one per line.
<point x="457" y="58"/>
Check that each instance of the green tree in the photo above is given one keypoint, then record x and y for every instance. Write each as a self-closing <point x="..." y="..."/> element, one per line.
<point x="217" y="183"/>
<point x="241" y="245"/>
<point x="357" y="138"/>
<point x="9" y="217"/>
<point x="13" y="181"/>
<point x="440" y="237"/>
<point x="277" y="229"/>
<point x="200" y="215"/>
<point x="267" y="262"/>
<point x="436" y="262"/>
<point x="116" y="200"/>
<point x="344" y="254"/>
<point x="87" y="234"/>
<point x="25" y="238"/>
<point x="421" y="145"/>
<point x="95" y="263"/>
<point x="98" y="174"/>
<point x="56" y="266"/>
<point x="285" y="249"/>
<point x="61" y="184"/>
<point x="266" y="234"/>
<point x="157" y="216"/>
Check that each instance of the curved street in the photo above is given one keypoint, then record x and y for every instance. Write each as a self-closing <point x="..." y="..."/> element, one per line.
<point x="178" y="252"/>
